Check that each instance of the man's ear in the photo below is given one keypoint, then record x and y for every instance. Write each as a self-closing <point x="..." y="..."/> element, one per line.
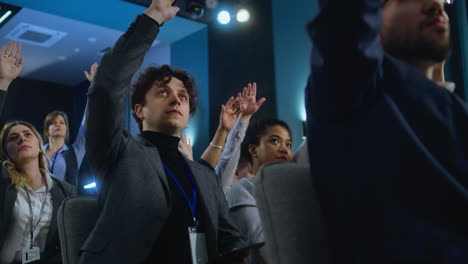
<point x="138" y="109"/>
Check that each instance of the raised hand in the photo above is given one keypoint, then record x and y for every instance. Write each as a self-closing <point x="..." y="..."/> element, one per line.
<point x="185" y="148"/>
<point x="248" y="100"/>
<point x="10" y="61"/>
<point x="162" y="10"/>
<point x="90" y="75"/>
<point x="229" y="113"/>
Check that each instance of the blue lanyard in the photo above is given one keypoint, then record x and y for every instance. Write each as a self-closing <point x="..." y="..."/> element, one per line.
<point x="192" y="204"/>
<point x="51" y="168"/>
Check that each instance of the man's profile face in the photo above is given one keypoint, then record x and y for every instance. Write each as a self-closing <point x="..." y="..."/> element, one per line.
<point x="416" y="30"/>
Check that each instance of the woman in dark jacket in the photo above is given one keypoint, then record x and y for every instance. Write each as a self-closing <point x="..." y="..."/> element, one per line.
<point x="29" y="195"/>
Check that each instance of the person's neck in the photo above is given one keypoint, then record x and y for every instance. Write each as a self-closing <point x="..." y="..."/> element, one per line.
<point x="425" y="67"/>
<point x="255" y="167"/>
<point x="173" y="133"/>
<point x="55" y="143"/>
<point x="32" y="171"/>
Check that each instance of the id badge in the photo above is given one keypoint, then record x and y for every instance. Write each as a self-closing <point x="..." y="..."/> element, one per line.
<point x="198" y="246"/>
<point x="30" y="254"/>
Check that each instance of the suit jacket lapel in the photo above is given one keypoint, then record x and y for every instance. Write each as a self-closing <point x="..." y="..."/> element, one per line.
<point x="155" y="160"/>
<point x="57" y="199"/>
<point x="207" y="204"/>
<point x="10" y="193"/>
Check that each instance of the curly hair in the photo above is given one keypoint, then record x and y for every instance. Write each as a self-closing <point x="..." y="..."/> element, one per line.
<point x="255" y="131"/>
<point x="162" y="74"/>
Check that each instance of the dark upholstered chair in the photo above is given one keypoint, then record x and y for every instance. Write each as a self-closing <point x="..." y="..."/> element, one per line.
<point x="76" y="218"/>
<point x="290" y="214"/>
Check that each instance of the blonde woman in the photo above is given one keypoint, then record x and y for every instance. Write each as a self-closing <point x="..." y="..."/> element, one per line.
<point x="29" y="195"/>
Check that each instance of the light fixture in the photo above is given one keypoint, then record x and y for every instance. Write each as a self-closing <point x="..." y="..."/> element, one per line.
<point x="243" y="15"/>
<point x="5" y="16"/>
<point x="195" y="9"/>
<point x="224" y="17"/>
<point x="90" y="185"/>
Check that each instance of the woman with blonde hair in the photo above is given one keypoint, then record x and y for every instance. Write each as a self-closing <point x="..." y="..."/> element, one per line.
<point x="29" y="195"/>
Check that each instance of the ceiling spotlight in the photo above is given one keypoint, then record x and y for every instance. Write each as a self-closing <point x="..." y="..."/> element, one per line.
<point x="224" y="17"/>
<point x="195" y="9"/>
<point x="243" y="16"/>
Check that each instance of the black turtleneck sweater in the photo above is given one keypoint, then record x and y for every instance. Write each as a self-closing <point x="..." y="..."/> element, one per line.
<point x="172" y="244"/>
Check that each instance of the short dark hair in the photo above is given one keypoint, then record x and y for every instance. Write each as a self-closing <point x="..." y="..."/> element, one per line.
<point x="255" y="131"/>
<point x="162" y="74"/>
<point x="50" y="118"/>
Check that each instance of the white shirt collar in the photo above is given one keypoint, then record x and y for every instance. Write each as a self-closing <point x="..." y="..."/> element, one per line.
<point x="50" y="184"/>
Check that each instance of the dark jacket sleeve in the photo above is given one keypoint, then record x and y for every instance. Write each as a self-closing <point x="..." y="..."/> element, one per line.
<point x="346" y="58"/>
<point x="106" y="96"/>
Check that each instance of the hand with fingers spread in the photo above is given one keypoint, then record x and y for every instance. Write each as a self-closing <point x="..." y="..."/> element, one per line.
<point x="10" y="63"/>
<point x="185" y="148"/>
<point x="227" y="119"/>
<point x="229" y="113"/>
<point x="90" y="75"/>
<point x="162" y="10"/>
<point x="248" y="101"/>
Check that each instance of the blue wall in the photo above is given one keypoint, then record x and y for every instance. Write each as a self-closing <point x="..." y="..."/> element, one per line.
<point x="191" y="54"/>
<point x="292" y="51"/>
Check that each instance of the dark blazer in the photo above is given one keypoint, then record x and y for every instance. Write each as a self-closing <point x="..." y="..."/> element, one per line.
<point x="71" y="174"/>
<point x="8" y="193"/>
<point x="133" y="189"/>
<point x="388" y="147"/>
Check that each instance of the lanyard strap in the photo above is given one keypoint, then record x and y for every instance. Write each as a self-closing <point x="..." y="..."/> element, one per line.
<point x="31" y="213"/>
<point x="192" y="204"/>
<point x="51" y="168"/>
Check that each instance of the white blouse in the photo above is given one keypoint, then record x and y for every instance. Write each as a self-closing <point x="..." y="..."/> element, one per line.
<point x="18" y="235"/>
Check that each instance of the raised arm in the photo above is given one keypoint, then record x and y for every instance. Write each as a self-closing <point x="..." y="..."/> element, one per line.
<point x="227" y="118"/>
<point x="106" y="96"/>
<point x="10" y="67"/>
<point x="229" y="160"/>
<point x="346" y="57"/>
<point x="80" y="140"/>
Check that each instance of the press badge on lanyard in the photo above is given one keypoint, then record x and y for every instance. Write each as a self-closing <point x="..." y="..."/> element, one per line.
<point x="31" y="253"/>
<point x="197" y="240"/>
<point x="198" y="246"/>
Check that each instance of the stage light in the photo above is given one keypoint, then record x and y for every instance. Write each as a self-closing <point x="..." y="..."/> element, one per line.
<point x="5" y="16"/>
<point x="243" y="16"/>
<point x="224" y="17"/>
<point x="195" y="9"/>
<point x="89" y="186"/>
